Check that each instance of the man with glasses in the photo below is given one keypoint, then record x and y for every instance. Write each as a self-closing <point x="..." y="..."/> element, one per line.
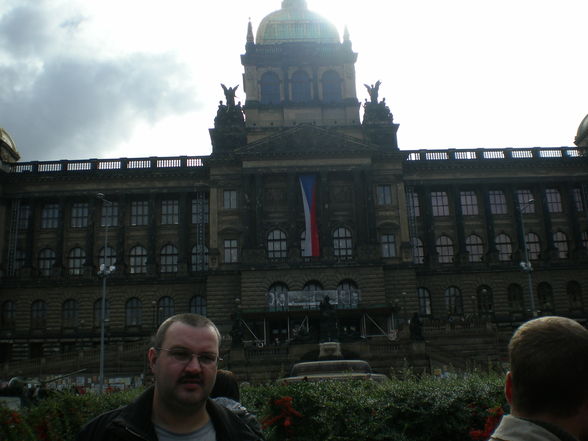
<point x="183" y="360"/>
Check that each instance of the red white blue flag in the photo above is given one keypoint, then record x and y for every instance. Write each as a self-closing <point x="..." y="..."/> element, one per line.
<point x="311" y="238"/>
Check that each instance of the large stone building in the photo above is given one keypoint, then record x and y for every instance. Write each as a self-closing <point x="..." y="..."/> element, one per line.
<point x="305" y="195"/>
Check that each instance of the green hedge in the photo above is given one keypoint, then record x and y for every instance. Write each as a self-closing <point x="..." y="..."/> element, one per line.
<point x="410" y="409"/>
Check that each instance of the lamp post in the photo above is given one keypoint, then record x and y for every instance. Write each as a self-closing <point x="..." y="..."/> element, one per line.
<point x="526" y="264"/>
<point x="104" y="272"/>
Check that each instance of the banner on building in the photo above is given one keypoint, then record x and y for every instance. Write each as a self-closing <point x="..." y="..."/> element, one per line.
<point x="308" y="186"/>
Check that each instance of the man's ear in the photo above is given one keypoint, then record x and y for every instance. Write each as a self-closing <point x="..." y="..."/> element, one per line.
<point x="508" y="388"/>
<point x="152" y="356"/>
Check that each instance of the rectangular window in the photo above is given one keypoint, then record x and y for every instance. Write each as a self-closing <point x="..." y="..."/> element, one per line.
<point x="79" y="215"/>
<point x="414" y="205"/>
<point x="388" y="242"/>
<point x="24" y="217"/>
<point x="230" y="199"/>
<point x="578" y="201"/>
<point x="231" y="251"/>
<point x="526" y="201"/>
<point x="170" y="210"/>
<point x="109" y="215"/>
<point x="139" y="213"/>
<point x="50" y="216"/>
<point x="497" y="202"/>
<point x="384" y="194"/>
<point x="440" y="203"/>
<point x="200" y="209"/>
<point x="469" y="203"/>
<point x="553" y="198"/>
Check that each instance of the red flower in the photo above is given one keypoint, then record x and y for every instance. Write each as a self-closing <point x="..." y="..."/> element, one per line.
<point x="286" y="414"/>
<point x="492" y="420"/>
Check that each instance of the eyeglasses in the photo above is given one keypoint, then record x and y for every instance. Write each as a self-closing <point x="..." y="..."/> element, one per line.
<point x="185" y="356"/>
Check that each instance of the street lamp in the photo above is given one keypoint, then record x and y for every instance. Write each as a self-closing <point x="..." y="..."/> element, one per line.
<point x="104" y="272"/>
<point x="526" y="264"/>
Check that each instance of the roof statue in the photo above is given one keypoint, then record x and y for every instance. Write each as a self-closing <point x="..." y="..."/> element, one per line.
<point x="231" y="114"/>
<point x="376" y="112"/>
<point x="373" y="91"/>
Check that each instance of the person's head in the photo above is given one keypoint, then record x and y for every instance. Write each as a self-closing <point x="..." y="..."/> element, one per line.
<point x="548" y="369"/>
<point x="226" y="386"/>
<point x="183" y="360"/>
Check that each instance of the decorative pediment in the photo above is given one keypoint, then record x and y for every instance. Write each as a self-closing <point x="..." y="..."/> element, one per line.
<point x="307" y="141"/>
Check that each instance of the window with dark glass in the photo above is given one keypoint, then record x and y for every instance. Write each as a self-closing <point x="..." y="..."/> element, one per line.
<point x="230" y="199"/>
<point x="270" y="88"/>
<point x="414" y="206"/>
<point x="469" y="203"/>
<point x="342" y="243"/>
<point x="98" y="312"/>
<point x="199" y="259"/>
<point x="545" y="296"/>
<point x="300" y="87"/>
<point x="388" y="244"/>
<point x="138" y="260"/>
<point x="553" y="197"/>
<point x="69" y="314"/>
<point x="444" y="247"/>
<point x="497" y="202"/>
<point x="277" y="297"/>
<point x="504" y="247"/>
<point x="526" y="201"/>
<point x="106" y="257"/>
<point x="24" y="217"/>
<point x="165" y="308"/>
<point x="198" y="305"/>
<point x="19" y="259"/>
<point x="50" y="216"/>
<point x="440" y="203"/>
<point x="8" y="315"/>
<point x="574" y="291"/>
<point x="109" y="215"/>
<point x="331" y="87"/>
<point x="485" y="300"/>
<point x="533" y="246"/>
<point x="79" y="215"/>
<point x="168" y="259"/>
<point x="38" y="315"/>
<point x="384" y="194"/>
<point x="475" y="248"/>
<point x="231" y="251"/>
<point x="75" y="261"/>
<point x="424" y="297"/>
<point x="277" y="245"/>
<point x="170" y="210"/>
<point x="133" y="312"/>
<point x="578" y="200"/>
<point x="418" y="250"/>
<point x="348" y="295"/>
<point x="560" y="241"/>
<point x="515" y="298"/>
<point x="46" y="261"/>
<point x="200" y="210"/>
<point x="139" y="213"/>
<point x="453" y="301"/>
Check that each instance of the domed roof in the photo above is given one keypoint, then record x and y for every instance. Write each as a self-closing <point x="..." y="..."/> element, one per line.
<point x="295" y="23"/>
<point x="4" y="136"/>
<point x="582" y="136"/>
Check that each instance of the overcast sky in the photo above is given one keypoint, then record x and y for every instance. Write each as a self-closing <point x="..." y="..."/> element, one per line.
<point x="136" y="78"/>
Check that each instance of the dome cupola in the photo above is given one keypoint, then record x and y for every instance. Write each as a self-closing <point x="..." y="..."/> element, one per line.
<point x="582" y="135"/>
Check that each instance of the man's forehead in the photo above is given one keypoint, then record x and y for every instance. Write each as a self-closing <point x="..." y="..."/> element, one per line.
<point x="182" y="333"/>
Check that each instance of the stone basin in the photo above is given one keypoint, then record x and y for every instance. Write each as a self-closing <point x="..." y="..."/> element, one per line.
<point x="332" y="370"/>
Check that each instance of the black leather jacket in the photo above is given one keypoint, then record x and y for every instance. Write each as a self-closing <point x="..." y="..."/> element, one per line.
<point x="133" y="423"/>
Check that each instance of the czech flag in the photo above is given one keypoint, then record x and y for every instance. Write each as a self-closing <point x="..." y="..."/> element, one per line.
<point x="311" y="240"/>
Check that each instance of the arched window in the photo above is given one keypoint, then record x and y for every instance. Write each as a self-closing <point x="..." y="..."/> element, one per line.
<point x="38" y="315"/>
<point x="560" y="241"/>
<point x="485" y="300"/>
<point x="169" y="259"/>
<point x="108" y="260"/>
<point x="8" y="315"/>
<point x="545" y="296"/>
<point x="424" y="297"/>
<point x="277" y="297"/>
<point x="165" y="308"/>
<point x="199" y="259"/>
<point x="270" y="88"/>
<point x="515" y="298"/>
<point x="331" y="87"/>
<point x="418" y="251"/>
<point x="475" y="248"/>
<point x="342" y="244"/>
<point x="133" y="312"/>
<point x="300" y="87"/>
<point x="69" y="314"/>
<point x="388" y="244"/>
<point x="453" y="301"/>
<point x="348" y="295"/>
<point x="277" y="245"/>
<point x="46" y="261"/>
<point x="574" y="291"/>
<point x="314" y="289"/>
<point x="198" y="305"/>
<point x="75" y="261"/>
<point x="98" y="312"/>
<point x="444" y="247"/>
<point x="533" y="245"/>
<point x="138" y="260"/>
<point x="504" y="247"/>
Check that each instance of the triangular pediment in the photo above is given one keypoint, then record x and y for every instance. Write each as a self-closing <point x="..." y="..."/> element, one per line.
<point x="307" y="140"/>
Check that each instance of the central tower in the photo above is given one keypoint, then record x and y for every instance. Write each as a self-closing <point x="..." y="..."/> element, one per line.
<point x="297" y="71"/>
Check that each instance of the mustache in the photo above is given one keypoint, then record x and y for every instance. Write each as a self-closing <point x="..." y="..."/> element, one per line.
<point x="191" y="378"/>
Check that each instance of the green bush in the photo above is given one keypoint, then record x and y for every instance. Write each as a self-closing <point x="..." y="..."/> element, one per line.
<point x="409" y="409"/>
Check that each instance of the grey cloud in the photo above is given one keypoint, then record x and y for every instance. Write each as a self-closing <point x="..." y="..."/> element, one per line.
<point x="25" y="31"/>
